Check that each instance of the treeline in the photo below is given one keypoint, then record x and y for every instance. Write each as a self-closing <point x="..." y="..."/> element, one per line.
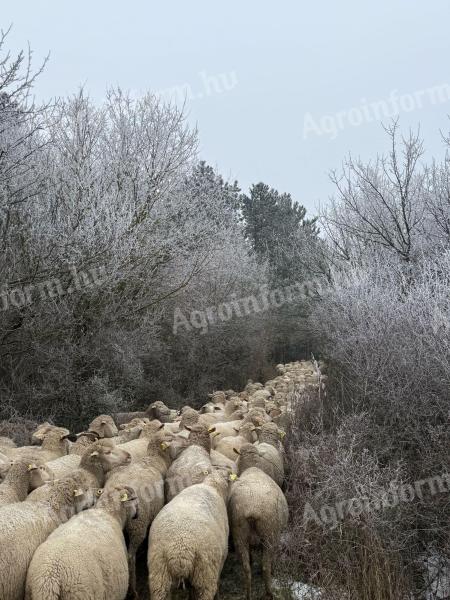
<point x="372" y="456"/>
<point x="111" y="227"/>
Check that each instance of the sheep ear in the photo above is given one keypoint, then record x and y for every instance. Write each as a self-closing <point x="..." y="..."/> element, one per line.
<point x="188" y="428"/>
<point x="217" y="408"/>
<point x="65" y="436"/>
<point x="281" y="433"/>
<point x="124" y="497"/>
<point x="95" y="453"/>
<point x="236" y="429"/>
<point x="211" y="430"/>
<point x="103" y="422"/>
<point x="161" y="427"/>
<point x="77" y="492"/>
<point x="237" y="451"/>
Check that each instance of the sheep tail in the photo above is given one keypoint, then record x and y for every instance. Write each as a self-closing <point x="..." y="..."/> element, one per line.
<point x="179" y="566"/>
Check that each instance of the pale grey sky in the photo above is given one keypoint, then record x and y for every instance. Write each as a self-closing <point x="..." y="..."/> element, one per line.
<point x="287" y="74"/>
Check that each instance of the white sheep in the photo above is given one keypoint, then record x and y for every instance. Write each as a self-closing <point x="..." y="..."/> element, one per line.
<point x="138" y="448"/>
<point x="100" y="458"/>
<point x="54" y="445"/>
<point x="258" y="513"/>
<point x="193" y="464"/>
<point x="188" y="540"/>
<point x="86" y="558"/>
<point x="104" y="426"/>
<point x="25" y="525"/>
<point x="18" y="482"/>
<point x="244" y="435"/>
<point x="146" y="477"/>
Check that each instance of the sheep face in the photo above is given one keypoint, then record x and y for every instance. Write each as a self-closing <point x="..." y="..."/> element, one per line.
<point x="39" y="475"/>
<point x="47" y="431"/>
<point x="108" y="456"/>
<point x="37" y="435"/>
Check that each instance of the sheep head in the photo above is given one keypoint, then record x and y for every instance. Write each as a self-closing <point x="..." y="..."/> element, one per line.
<point x="104" y="426"/>
<point x="106" y="455"/>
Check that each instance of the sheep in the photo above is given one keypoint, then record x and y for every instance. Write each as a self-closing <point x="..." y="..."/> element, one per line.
<point x="58" y="468"/>
<point x="224" y="429"/>
<point x="146" y="476"/>
<point x="123" y="418"/>
<point x="161" y="412"/>
<point x="131" y="431"/>
<point x="189" y="540"/>
<point x="223" y="462"/>
<point x="265" y="456"/>
<point x="157" y="410"/>
<point x="193" y="464"/>
<point x="86" y="558"/>
<point x="100" y="458"/>
<point x="16" y="484"/>
<point x="6" y="444"/>
<point x="258" y="512"/>
<point x="103" y="426"/>
<point x="26" y="525"/>
<point x="40" y="475"/>
<point x="54" y="445"/>
<point x="138" y="448"/>
<point x="270" y="433"/>
<point x="218" y="397"/>
<point x="190" y="417"/>
<point x="259" y="398"/>
<point x="245" y="434"/>
<point x="84" y="440"/>
<point x="210" y="407"/>
<point x="39" y="434"/>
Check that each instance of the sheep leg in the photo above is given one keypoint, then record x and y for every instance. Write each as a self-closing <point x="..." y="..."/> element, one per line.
<point x="160" y="584"/>
<point x="267" y="571"/>
<point x="241" y="538"/>
<point x="207" y="593"/>
<point x="132" y="550"/>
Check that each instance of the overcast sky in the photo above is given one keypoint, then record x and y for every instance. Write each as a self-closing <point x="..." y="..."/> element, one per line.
<point x="281" y="91"/>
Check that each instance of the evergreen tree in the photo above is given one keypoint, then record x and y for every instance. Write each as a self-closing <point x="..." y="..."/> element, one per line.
<point x="277" y="228"/>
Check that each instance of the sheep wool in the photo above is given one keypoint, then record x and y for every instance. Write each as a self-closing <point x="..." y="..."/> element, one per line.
<point x="25" y="525"/>
<point x="86" y="557"/>
<point x="258" y="511"/>
<point x="188" y="540"/>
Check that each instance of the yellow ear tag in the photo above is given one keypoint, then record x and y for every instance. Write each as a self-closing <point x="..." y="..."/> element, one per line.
<point x="164" y="446"/>
<point x="30" y="467"/>
<point x="124" y="497"/>
<point x="233" y="477"/>
<point x="282" y="434"/>
<point x="99" y="492"/>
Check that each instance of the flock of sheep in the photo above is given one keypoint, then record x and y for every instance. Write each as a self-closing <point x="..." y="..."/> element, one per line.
<point x="73" y="512"/>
